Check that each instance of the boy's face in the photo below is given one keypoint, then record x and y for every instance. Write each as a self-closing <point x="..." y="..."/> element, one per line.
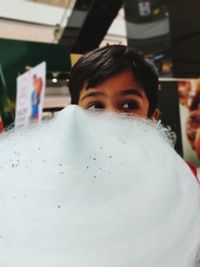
<point x="120" y="93"/>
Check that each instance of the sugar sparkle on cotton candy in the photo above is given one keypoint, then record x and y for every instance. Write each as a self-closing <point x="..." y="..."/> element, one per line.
<point x="96" y="190"/>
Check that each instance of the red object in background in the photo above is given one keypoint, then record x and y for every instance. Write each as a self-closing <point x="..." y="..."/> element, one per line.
<point x="193" y="169"/>
<point x="1" y="125"/>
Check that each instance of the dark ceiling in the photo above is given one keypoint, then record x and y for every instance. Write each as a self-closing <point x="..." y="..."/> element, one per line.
<point x="185" y="37"/>
<point x="89" y="23"/>
<point x="170" y="27"/>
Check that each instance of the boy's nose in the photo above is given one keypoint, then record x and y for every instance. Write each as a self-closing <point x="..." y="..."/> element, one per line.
<point x="112" y="108"/>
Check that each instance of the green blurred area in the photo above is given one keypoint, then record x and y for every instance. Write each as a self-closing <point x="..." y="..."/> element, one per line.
<point x="15" y="56"/>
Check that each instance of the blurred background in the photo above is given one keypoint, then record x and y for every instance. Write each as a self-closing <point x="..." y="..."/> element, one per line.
<point x="55" y="33"/>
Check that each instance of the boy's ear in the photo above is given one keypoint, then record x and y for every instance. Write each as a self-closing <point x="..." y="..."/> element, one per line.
<point x="156" y="114"/>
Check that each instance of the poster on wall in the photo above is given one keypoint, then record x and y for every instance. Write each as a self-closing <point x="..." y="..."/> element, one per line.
<point x="30" y="95"/>
<point x="189" y="104"/>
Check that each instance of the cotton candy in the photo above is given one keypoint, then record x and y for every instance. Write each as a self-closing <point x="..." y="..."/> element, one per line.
<point x="93" y="189"/>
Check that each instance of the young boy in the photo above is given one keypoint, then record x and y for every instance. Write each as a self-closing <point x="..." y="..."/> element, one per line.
<point x="116" y="78"/>
<point x="99" y="191"/>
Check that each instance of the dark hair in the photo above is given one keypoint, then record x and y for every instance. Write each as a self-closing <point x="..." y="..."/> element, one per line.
<point x="100" y="64"/>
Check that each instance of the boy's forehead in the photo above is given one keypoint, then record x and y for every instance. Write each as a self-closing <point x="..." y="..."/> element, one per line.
<point x="115" y="87"/>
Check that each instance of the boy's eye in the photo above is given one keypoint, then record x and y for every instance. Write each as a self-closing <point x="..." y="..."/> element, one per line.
<point x="95" y="106"/>
<point x="130" y="105"/>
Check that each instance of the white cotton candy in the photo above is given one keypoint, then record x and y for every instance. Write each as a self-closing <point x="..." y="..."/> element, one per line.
<point x="96" y="190"/>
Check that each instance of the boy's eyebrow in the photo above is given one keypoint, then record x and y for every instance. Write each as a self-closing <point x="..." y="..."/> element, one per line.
<point x="92" y="94"/>
<point x="131" y="92"/>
